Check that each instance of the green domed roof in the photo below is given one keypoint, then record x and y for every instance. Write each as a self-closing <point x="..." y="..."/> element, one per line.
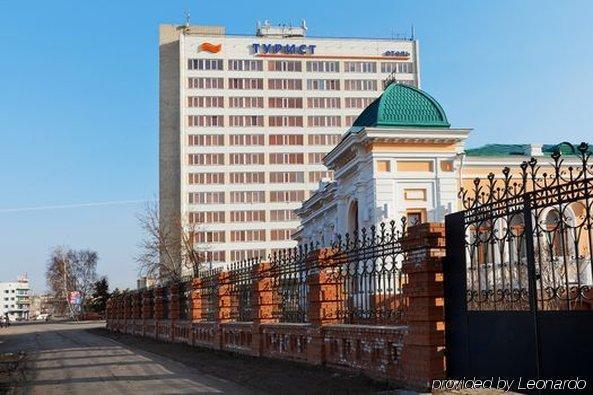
<point x="403" y="105"/>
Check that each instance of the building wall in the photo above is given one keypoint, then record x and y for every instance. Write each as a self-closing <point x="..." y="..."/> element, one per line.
<point x="226" y="237"/>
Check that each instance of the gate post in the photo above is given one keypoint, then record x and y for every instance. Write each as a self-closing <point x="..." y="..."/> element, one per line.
<point x="455" y="286"/>
<point x="423" y="353"/>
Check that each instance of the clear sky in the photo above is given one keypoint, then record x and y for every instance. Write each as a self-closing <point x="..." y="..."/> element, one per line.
<point x="79" y="98"/>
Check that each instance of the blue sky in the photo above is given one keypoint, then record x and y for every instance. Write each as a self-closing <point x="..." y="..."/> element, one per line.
<point x="79" y="98"/>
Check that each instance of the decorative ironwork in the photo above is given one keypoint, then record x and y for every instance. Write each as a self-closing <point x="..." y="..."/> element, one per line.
<point x="185" y="300"/>
<point x="367" y="268"/>
<point x="289" y="270"/>
<point x="530" y="234"/>
<point x="209" y="289"/>
<point x="241" y="281"/>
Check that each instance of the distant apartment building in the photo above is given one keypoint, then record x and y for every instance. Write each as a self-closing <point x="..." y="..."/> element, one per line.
<point x="14" y="299"/>
<point x="245" y="121"/>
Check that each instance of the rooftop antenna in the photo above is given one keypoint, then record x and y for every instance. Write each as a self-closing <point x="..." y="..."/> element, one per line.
<point x="187" y="18"/>
<point x="413" y="32"/>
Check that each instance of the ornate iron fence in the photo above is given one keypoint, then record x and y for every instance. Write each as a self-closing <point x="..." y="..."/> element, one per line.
<point x="367" y="268"/>
<point x="209" y="290"/>
<point x="531" y="233"/>
<point x="241" y="288"/>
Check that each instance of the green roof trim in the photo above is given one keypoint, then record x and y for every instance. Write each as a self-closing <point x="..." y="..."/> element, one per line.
<point x="494" y="150"/>
<point x="403" y="105"/>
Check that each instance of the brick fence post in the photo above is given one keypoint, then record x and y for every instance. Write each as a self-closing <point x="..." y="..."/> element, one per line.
<point x="323" y="300"/>
<point x="264" y="303"/>
<point x="127" y="311"/>
<point x="198" y="312"/>
<point x="423" y="353"/>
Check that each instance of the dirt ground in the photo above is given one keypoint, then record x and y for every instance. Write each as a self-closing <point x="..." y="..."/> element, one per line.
<point x="261" y="374"/>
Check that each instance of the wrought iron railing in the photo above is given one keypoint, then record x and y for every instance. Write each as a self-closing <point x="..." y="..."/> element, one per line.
<point x="530" y="234"/>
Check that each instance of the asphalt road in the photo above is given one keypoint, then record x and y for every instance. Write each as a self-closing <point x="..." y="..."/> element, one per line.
<point x="66" y="359"/>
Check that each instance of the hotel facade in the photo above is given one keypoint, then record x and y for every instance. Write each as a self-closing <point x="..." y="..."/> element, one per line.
<point x="246" y="120"/>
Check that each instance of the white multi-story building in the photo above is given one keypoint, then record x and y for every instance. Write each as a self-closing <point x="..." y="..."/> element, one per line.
<point x="246" y="120"/>
<point x="14" y="299"/>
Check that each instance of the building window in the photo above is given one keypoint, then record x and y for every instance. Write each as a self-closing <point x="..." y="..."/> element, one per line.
<point x="285" y="84"/>
<point x="202" y="217"/>
<point x="285" y="139"/>
<point x="248" y="216"/>
<point x="415" y="216"/>
<point x="360" y="67"/>
<point x="246" y="102"/>
<point x="205" y="83"/>
<point x="209" y="237"/>
<point x="206" y="159"/>
<point x="285" y="65"/>
<point x="281" y="234"/>
<point x="316" y="176"/>
<point x="359" y="102"/>
<point x="286" y="158"/>
<point x="206" y="198"/>
<point x="246" y="83"/>
<point x="398" y="67"/>
<point x="205" y="120"/>
<point x="287" y="177"/>
<point x="246" y="120"/>
<point x="323" y="102"/>
<point x="204" y="64"/>
<point x="205" y="101"/>
<point x="288" y="120"/>
<point x="321" y="66"/>
<point x="360" y="85"/>
<point x="285" y="102"/>
<point x="283" y="215"/>
<point x="246" y="139"/>
<point x="205" y="140"/>
<point x="324" y="120"/>
<point x="324" y="139"/>
<point x="239" y="255"/>
<point x="247" y="178"/>
<point x="323" y="85"/>
<point x="215" y="256"/>
<point x="286" y="196"/>
<point x="247" y="197"/>
<point x="248" y="235"/>
<point x="246" y="159"/>
<point x="350" y="119"/>
<point x="245" y="65"/>
<point x="206" y="178"/>
<point x="316" y="158"/>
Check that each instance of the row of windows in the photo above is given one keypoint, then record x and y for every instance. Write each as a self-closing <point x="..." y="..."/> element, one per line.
<point x="251" y="235"/>
<point x="249" y="158"/>
<point x="258" y="120"/>
<point x="210" y="217"/>
<point x="217" y="140"/>
<point x="239" y="255"/>
<point x="258" y="177"/>
<point x="297" y="66"/>
<point x="248" y="197"/>
<point x="283" y="84"/>
<point x="277" y="102"/>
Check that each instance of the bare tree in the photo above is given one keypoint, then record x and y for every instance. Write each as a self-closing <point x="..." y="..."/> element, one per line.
<point x="169" y="251"/>
<point x="70" y="270"/>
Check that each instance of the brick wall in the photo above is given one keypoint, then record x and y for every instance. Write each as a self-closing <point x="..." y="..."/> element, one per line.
<point x="411" y="353"/>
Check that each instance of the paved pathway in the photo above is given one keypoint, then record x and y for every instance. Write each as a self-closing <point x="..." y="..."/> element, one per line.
<point x="69" y="360"/>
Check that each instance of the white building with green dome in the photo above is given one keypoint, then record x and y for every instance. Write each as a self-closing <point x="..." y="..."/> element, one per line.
<point x="402" y="158"/>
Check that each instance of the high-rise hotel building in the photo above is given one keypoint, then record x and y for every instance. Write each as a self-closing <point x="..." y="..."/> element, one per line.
<point x="245" y="121"/>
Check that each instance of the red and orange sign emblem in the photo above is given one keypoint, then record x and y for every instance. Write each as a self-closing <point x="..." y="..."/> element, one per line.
<point x="209" y="47"/>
